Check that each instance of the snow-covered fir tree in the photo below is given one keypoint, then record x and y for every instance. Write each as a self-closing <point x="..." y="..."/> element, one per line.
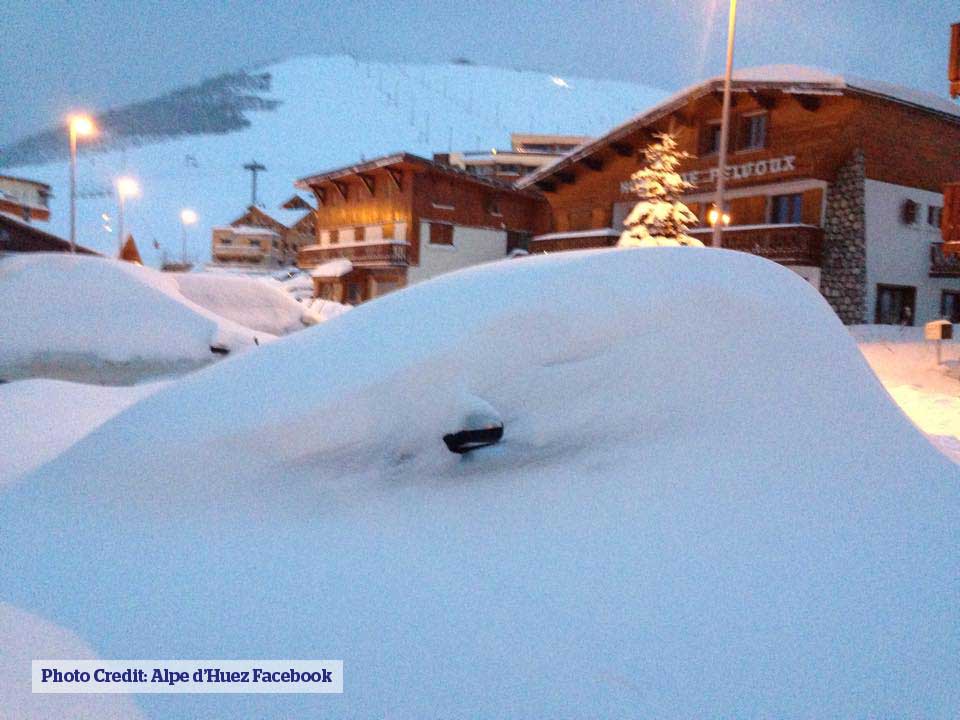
<point x="660" y="217"/>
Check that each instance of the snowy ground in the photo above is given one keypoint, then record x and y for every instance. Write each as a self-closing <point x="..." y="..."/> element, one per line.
<point x="928" y="392"/>
<point x="655" y="536"/>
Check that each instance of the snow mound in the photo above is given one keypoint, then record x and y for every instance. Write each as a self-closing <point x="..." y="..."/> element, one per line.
<point x="91" y="318"/>
<point x="26" y="637"/>
<point x="259" y="304"/>
<point x="704" y="505"/>
<point x="328" y="309"/>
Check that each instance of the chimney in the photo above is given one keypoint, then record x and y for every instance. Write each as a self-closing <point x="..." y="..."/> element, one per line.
<point x="953" y="69"/>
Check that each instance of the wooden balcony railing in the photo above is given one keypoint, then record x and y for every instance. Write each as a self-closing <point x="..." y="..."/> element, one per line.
<point x="582" y="240"/>
<point x="787" y="244"/>
<point x="943" y="264"/>
<point x="373" y="254"/>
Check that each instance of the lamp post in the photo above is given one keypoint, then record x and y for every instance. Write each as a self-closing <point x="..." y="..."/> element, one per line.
<point x="187" y="217"/>
<point x="724" y="127"/>
<point x="80" y="126"/>
<point x="126" y="187"/>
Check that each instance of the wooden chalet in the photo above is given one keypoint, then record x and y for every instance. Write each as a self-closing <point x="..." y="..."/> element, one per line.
<point x="259" y="239"/>
<point x="839" y="178"/>
<point x="402" y="218"/>
<point x="25" y="199"/>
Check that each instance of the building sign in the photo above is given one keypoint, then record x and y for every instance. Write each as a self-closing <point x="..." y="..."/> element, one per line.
<point x="743" y="171"/>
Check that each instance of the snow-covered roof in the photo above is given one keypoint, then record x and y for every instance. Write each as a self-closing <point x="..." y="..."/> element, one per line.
<point x="247" y="230"/>
<point x="796" y="79"/>
<point x="289" y="218"/>
<point x="408" y="159"/>
<point x="332" y="268"/>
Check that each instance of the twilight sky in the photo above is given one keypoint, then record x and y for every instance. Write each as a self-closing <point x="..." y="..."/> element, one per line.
<point x="56" y="55"/>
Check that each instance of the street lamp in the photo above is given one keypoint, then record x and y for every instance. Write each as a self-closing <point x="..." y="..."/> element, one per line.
<point x="80" y="126"/>
<point x="724" y="126"/>
<point x="187" y="217"/>
<point x="126" y="187"/>
<point x="715" y="218"/>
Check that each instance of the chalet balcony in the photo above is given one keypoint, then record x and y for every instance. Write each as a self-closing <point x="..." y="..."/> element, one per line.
<point x="787" y="244"/>
<point x="385" y="254"/>
<point x="238" y="250"/>
<point x="576" y="240"/>
<point x="942" y="264"/>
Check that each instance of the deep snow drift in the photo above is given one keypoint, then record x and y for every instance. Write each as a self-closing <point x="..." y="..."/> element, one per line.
<point x="87" y="318"/>
<point x="24" y="637"/>
<point x="686" y="517"/>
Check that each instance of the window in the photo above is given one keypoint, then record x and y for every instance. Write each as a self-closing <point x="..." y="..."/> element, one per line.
<point x="752" y="133"/>
<point x="334" y="237"/>
<point x="387" y="232"/>
<point x="359" y="234"/>
<point x="786" y="209"/>
<point x="493" y="206"/>
<point x="950" y="305"/>
<point x="441" y="234"/>
<point x="711" y="138"/>
<point x="517" y="240"/>
<point x="908" y="212"/>
<point x="934" y="216"/>
<point x="254" y="243"/>
<point x="895" y="305"/>
<point x="354" y="293"/>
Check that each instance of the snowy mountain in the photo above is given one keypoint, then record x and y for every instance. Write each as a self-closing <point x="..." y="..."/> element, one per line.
<point x="297" y="117"/>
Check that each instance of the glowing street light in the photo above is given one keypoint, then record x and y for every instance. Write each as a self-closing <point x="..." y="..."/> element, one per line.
<point x="80" y="126"/>
<point x="187" y="217"/>
<point x="714" y="215"/>
<point x="126" y="187"/>
<point x="724" y="125"/>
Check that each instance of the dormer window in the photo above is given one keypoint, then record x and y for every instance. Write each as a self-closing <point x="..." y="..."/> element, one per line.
<point x="752" y="133"/>
<point x="711" y="138"/>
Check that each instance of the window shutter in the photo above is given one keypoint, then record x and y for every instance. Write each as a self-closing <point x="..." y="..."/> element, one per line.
<point x="950" y="221"/>
<point x="953" y="71"/>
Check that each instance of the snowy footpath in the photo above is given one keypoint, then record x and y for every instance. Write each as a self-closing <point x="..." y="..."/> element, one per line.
<point x="927" y="391"/>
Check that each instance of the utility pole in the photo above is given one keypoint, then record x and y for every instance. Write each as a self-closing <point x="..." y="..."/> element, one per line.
<point x="254" y="167"/>
<point x="717" y="240"/>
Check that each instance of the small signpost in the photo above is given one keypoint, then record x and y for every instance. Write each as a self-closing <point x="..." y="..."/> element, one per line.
<point x="938" y="330"/>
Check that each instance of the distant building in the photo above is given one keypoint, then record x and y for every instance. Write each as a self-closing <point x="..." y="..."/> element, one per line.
<point x="257" y="239"/>
<point x="526" y="154"/>
<point x="395" y="220"/>
<point x="25" y="199"/>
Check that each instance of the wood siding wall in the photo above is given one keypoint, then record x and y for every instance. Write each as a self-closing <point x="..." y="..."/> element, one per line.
<point x="425" y="194"/>
<point x="902" y="145"/>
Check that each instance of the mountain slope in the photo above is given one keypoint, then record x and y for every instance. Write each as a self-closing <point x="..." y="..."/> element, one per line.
<point x="322" y="112"/>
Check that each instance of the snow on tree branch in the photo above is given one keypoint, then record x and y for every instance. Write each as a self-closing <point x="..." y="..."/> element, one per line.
<point x="660" y="217"/>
